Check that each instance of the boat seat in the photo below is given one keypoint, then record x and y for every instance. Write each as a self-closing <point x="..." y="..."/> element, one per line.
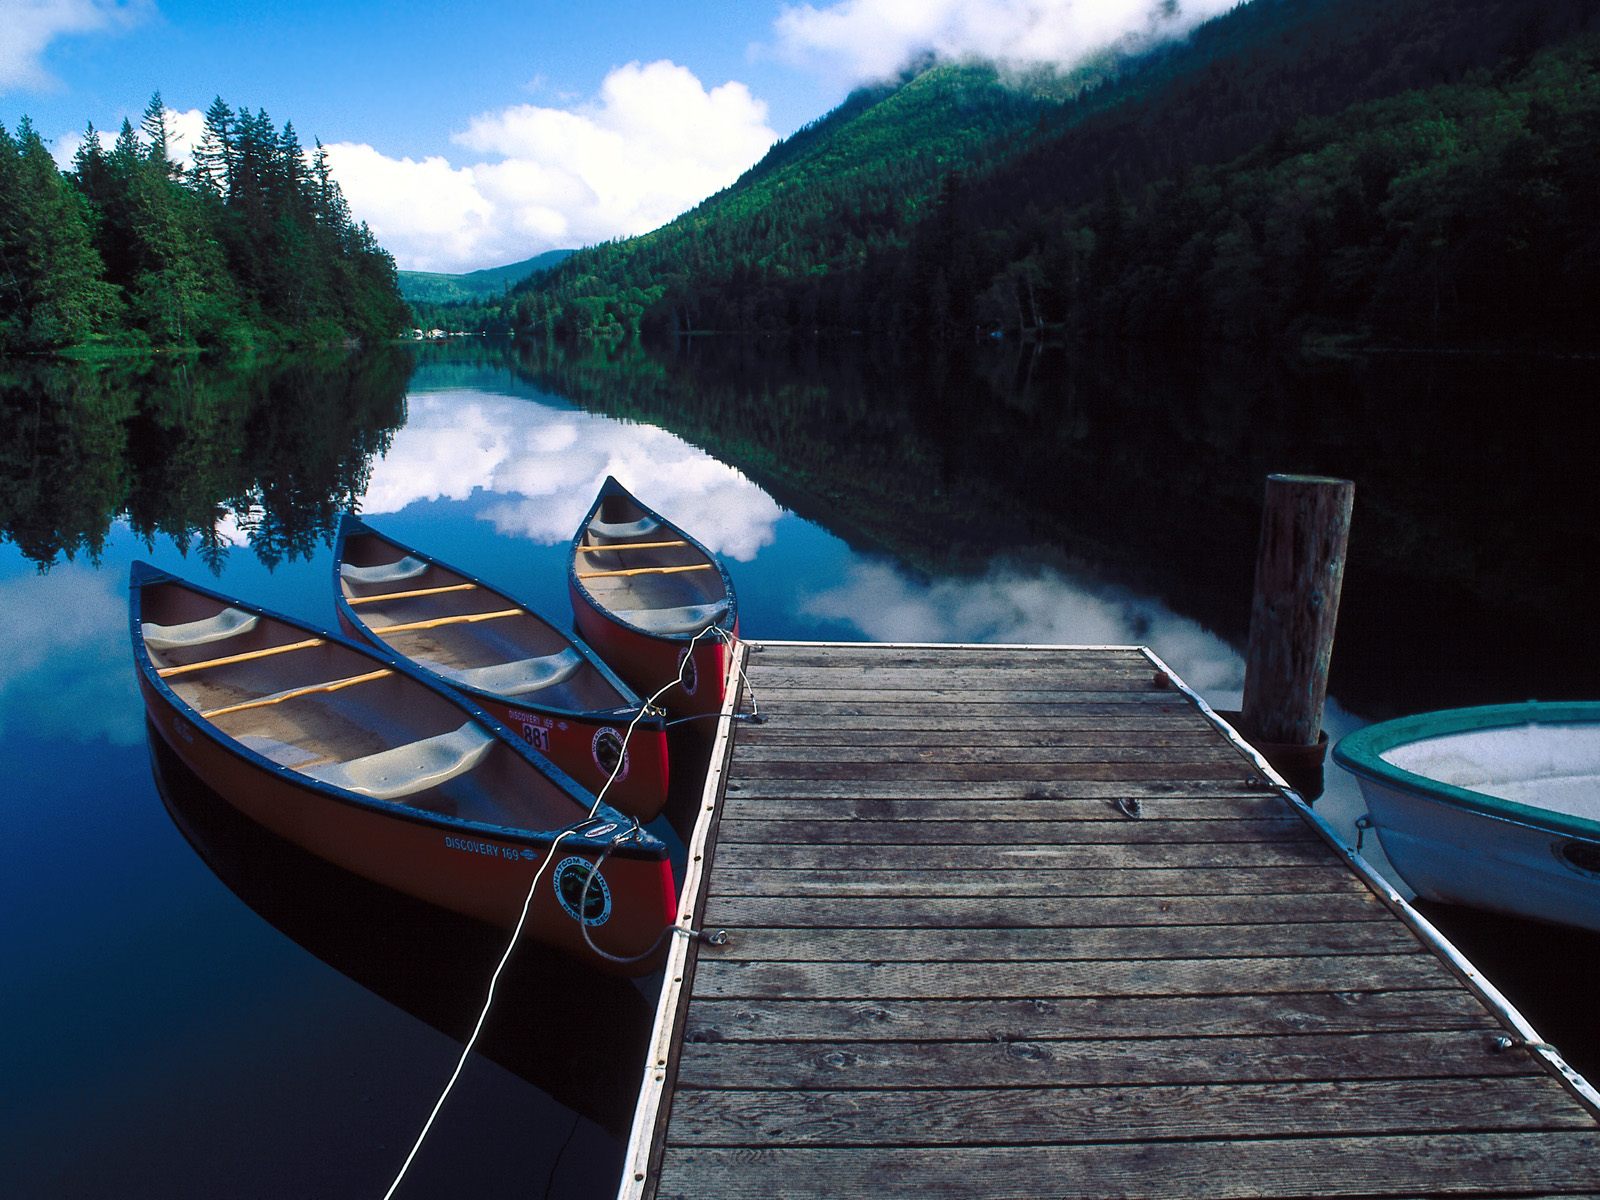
<point x="624" y="530"/>
<point x="405" y="568"/>
<point x="414" y="767"/>
<point x="515" y="678"/>
<point x="230" y="622"/>
<point x="686" y="618"/>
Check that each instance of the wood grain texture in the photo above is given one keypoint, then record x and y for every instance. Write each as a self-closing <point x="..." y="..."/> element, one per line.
<point x="1035" y="881"/>
<point x="1220" y="977"/>
<point x="1104" y="1061"/>
<point x="1026" y="923"/>
<point x="1091" y="1017"/>
<point x="1043" y="912"/>
<point x="929" y="831"/>
<point x="1060" y="943"/>
<point x="1561" y="1162"/>
<point x="1055" y="1116"/>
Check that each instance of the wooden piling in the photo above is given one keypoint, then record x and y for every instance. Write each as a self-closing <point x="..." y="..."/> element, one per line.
<point x="1305" y="527"/>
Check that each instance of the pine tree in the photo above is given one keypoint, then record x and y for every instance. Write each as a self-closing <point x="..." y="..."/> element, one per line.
<point x="153" y="124"/>
<point x="213" y="156"/>
<point x="51" y="291"/>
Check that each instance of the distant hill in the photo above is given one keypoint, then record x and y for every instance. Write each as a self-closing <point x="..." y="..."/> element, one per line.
<point x="429" y="287"/>
<point x="1399" y="171"/>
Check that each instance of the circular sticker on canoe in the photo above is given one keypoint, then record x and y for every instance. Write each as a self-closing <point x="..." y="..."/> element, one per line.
<point x="687" y="671"/>
<point x="575" y="874"/>
<point x="608" y="750"/>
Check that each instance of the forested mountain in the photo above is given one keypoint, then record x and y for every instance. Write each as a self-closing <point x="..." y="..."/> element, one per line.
<point x="253" y="244"/>
<point x="433" y="287"/>
<point x="815" y="207"/>
<point x="1395" y="170"/>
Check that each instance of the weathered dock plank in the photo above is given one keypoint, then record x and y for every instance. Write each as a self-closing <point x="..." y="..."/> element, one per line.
<point x="1021" y="922"/>
<point x="1092" y="1017"/>
<point x="1041" y="912"/>
<point x="1051" y="1116"/>
<point x="1440" y="1164"/>
<point x="1035" y="881"/>
<point x="1124" y="1062"/>
<point x="931" y="831"/>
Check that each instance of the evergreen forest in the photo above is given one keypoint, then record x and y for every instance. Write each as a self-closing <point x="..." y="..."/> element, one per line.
<point x="251" y="246"/>
<point x="1379" y="172"/>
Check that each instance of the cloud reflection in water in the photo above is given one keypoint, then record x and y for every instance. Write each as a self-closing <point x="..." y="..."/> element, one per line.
<point x="66" y="655"/>
<point x="1039" y="605"/>
<point x="545" y="465"/>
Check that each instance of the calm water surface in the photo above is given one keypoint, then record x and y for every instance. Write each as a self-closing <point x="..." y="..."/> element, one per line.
<point x="194" y="1009"/>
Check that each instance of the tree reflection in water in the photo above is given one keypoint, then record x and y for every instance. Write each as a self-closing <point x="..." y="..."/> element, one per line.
<point x="201" y="455"/>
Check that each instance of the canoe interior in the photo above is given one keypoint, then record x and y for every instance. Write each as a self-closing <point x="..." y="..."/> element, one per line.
<point x="1549" y="766"/>
<point x="319" y="728"/>
<point x="664" y="590"/>
<point x="468" y="645"/>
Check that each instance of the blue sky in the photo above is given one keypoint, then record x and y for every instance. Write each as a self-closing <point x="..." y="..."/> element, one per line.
<point x="470" y="135"/>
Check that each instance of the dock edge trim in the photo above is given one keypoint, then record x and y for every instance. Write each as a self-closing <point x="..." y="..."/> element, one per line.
<point x="1430" y="935"/>
<point x="636" y="1183"/>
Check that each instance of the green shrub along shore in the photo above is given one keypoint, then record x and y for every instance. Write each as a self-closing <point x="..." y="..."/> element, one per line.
<point x="251" y="247"/>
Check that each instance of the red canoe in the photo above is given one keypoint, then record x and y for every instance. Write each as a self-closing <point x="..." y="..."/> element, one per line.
<point x="653" y="602"/>
<point x="541" y="682"/>
<point x="356" y="757"/>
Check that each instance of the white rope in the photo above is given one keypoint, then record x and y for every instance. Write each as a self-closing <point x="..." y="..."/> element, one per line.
<point x="482" y="1016"/>
<point x="533" y="887"/>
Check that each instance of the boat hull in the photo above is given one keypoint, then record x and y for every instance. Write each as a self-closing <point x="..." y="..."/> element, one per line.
<point x="467" y="833"/>
<point x="1519" y="842"/>
<point x="585" y="741"/>
<point x="586" y="750"/>
<point x="1458" y="857"/>
<point x="654" y="603"/>
<point x="478" y="875"/>
<point x="648" y="663"/>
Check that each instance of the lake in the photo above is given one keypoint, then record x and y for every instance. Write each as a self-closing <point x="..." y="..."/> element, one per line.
<point x="195" y="1009"/>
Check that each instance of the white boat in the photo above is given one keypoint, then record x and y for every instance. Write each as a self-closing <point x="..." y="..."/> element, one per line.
<point x="1495" y="807"/>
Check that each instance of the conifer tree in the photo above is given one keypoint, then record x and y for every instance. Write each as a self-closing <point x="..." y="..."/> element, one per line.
<point x="51" y="292"/>
<point x="212" y="157"/>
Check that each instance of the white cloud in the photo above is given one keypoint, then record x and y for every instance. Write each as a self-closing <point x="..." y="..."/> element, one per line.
<point x="653" y="143"/>
<point x="545" y="465"/>
<point x="858" y="40"/>
<point x="184" y="131"/>
<point x="32" y="25"/>
<point x="1038" y="606"/>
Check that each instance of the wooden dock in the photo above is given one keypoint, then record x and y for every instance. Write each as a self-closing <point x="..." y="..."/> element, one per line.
<point x="1022" y="922"/>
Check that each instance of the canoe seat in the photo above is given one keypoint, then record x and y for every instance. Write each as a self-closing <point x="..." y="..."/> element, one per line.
<point x="515" y="678"/>
<point x="624" y="529"/>
<point x="230" y="622"/>
<point x="686" y="618"/>
<point x="414" y="767"/>
<point x="405" y="568"/>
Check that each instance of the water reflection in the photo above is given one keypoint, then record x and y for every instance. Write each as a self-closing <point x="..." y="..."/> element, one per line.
<point x="542" y="463"/>
<point x="1473" y="528"/>
<point x="202" y="456"/>
<point x="575" y="1034"/>
<point x="63" y="675"/>
<point x="1009" y="496"/>
<point x="1015" y="604"/>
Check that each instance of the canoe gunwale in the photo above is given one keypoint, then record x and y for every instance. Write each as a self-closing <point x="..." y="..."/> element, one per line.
<point x="632" y="706"/>
<point x="727" y="622"/>
<point x="145" y="575"/>
<point x="1360" y="753"/>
